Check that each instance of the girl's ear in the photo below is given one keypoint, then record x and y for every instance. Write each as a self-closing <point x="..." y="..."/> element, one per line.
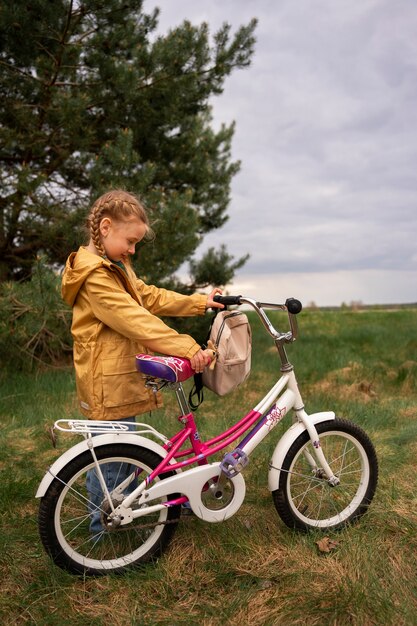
<point x="105" y="226"/>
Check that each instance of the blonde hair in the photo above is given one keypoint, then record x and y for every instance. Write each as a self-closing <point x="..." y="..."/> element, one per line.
<point x="120" y="206"/>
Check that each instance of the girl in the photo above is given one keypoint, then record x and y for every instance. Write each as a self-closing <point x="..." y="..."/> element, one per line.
<point x="114" y="313"/>
<point x="114" y="318"/>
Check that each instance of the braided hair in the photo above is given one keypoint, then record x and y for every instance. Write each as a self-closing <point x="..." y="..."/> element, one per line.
<point x="119" y="205"/>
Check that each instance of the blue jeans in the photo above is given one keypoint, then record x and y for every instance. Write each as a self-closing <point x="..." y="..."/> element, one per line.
<point x="113" y="474"/>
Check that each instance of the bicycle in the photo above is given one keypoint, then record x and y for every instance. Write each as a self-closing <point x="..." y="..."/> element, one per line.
<point x="323" y="472"/>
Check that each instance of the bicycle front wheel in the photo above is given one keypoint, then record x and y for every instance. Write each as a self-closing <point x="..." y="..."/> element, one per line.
<point x="73" y="513"/>
<point x="305" y="499"/>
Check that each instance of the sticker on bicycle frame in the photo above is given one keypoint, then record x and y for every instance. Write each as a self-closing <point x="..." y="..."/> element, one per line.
<point x="275" y="416"/>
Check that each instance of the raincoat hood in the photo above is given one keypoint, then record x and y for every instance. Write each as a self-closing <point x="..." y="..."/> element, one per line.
<point x="78" y="267"/>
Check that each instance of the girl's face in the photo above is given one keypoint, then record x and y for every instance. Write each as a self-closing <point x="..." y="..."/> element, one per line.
<point x="120" y="238"/>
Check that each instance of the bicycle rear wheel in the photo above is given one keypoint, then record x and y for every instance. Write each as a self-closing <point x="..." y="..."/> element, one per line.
<point x="305" y="499"/>
<point x="68" y="507"/>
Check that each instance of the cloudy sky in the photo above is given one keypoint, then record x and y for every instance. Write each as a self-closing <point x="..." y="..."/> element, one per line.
<point x="326" y="130"/>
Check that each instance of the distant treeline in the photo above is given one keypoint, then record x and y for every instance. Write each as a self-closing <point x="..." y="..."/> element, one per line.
<point x="358" y="306"/>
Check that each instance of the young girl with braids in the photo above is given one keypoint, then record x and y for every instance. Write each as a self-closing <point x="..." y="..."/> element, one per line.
<point x="116" y="316"/>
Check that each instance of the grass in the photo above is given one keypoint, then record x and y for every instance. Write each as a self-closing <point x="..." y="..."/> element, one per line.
<point x="250" y="569"/>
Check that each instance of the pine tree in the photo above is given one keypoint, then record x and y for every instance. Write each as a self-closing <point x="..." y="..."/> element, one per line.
<point x="93" y="99"/>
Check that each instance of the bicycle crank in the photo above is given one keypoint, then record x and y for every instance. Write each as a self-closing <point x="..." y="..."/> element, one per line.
<point x="218" y="493"/>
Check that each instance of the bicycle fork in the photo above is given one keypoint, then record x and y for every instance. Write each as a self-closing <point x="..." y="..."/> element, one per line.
<point x="318" y="462"/>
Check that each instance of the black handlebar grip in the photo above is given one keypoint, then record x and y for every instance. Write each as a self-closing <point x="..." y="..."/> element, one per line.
<point x="227" y="299"/>
<point x="293" y="306"/>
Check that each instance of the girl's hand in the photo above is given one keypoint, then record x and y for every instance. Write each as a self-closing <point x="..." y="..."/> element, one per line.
<point x="201" y="359"/>
<point x="210" y="302"/>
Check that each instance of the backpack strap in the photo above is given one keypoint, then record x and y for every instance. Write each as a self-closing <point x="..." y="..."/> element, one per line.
<point x="196" y="395"/>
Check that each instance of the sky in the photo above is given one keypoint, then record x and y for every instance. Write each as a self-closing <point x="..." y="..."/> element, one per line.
<point x="325" y="201"/>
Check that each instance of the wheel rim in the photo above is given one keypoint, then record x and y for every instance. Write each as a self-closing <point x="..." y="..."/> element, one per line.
<point x="103" y="549"/>
<point x="312" y="499"/>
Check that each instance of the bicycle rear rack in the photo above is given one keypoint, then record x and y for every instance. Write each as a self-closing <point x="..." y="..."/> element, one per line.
<point x="97" y="427"/>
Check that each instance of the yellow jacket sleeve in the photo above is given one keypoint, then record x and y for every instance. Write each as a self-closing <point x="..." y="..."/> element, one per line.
<point x="164" y="302"/>
<point x="116" y="308"/>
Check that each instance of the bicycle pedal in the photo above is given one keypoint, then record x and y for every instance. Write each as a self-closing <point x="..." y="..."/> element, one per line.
<point x="186" y="511"/>
<point x="234" y="462"/>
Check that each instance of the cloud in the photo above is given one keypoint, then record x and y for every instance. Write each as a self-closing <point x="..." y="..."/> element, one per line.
<point x="327" y="136"/>
<point x="329" y="288"/>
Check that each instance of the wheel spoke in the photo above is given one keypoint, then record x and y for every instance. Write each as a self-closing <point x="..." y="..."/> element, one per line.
<point x="307" y="499"/>
<point x="324" y="502"/>
<point x="73" y="515"/>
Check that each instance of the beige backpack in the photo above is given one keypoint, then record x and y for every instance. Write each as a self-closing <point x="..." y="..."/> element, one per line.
<point x="230" y="338"/>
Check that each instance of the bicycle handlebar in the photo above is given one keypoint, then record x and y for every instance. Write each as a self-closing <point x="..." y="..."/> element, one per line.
<point x="292" y="306"/>
<point x="227" y="299"/>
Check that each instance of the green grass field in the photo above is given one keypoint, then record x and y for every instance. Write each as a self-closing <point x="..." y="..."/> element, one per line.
<point x="251" y="569"/>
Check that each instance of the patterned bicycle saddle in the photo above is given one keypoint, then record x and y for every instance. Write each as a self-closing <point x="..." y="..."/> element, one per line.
<point x="171" y="368"/>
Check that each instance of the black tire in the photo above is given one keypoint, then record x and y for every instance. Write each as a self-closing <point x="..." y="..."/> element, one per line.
<point x="304" y="498"/>
<point x="65" y="518"/>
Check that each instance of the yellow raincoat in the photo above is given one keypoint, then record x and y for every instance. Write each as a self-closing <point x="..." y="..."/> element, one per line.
<point x="113" y="320"/>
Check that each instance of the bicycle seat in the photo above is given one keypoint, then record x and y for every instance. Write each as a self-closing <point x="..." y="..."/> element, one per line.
<point x="170" y="368"/>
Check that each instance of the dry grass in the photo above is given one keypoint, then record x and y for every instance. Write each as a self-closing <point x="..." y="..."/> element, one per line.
<point x="250" y="569"/>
